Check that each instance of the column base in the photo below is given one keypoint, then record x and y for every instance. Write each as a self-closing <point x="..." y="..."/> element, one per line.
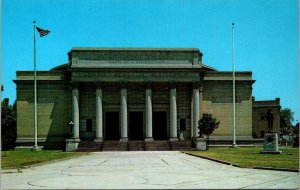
<point x="123" y="139"/>
<point x="148" y="139"/>
<point x="98" y="140"/>
<point x="72" y="144"/>
<point x="36" y="148"/>
<point x="173" y="139"/>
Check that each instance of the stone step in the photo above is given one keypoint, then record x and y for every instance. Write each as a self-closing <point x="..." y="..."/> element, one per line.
<point x="89" y="146"/>
<point x="182" y="145"/>
<point x="136" y="146"/>
<point x="157" y="145"/>
<point x="114" y="146"/>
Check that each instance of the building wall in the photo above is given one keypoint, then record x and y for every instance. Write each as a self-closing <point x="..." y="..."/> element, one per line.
<point x="260" y="124"/>
<point x="217" y="100"/>
<point x="53" y="112"/>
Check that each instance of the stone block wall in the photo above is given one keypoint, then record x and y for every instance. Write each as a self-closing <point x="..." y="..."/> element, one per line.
<point x="217" y="100"/>
<point x="184" y="93"/>
<point x="52" y="109"/>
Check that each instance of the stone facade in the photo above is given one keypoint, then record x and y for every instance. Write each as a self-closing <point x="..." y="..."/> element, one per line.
<point x="135" y="93"/>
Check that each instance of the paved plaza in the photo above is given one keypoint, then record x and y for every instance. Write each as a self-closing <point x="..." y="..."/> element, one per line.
<point x="144" y="170"/>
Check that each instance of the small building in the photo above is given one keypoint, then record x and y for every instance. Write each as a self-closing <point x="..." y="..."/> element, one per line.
<point x="114" y="94"/>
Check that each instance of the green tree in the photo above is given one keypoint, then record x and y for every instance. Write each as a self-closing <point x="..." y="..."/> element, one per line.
<point x="286" y="119"/>
<point x="8" y="125"/>
<point x="206" y="125"/>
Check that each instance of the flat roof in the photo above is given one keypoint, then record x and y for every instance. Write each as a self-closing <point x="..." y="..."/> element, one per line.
<point x="133" y="49"/>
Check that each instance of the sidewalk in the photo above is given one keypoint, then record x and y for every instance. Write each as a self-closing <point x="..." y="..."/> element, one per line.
<point x="145" y="170"/>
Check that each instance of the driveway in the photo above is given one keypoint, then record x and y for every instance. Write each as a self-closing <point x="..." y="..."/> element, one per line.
<point x="142" y="170"/>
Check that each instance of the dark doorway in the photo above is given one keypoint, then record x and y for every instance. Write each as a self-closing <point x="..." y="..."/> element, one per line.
<point x="136" y="126"/>
<point x="160" y="125"/>
<point x="112" y="126"/>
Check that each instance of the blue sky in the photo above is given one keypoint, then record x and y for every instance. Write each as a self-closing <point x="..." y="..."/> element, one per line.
<point x="266" y="35"/>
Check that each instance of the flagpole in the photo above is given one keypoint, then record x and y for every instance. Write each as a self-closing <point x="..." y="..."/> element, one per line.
<point x="35" y="147"/>
<point x="233" y="87"/>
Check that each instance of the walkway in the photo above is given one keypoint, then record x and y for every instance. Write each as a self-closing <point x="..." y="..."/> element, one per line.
<point x="142" y="170"/>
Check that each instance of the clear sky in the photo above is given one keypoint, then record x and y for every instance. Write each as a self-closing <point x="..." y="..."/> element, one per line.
<point x="266" y="36"/>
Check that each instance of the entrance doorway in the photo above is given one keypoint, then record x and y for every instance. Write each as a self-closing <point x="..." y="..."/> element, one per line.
<point x="136" y="126"/>
<point x="160" y="125"/>
<point x="112" y="126"/>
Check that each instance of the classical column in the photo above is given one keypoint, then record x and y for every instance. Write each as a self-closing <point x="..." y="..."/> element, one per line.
<point x="123" y="111"/>
<point x="75" y="111"/>
<point x="173" y="113"/>
<point x="99" y="114"/>
<point x="148" y="101"/>
<point x="196" y="108"/>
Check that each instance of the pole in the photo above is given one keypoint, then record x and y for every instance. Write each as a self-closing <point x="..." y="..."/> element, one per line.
<point x="233" y="87"/>
<point x="35" y="147"/>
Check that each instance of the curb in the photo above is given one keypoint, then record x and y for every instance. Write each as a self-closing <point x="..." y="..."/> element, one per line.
<point x="277" y="169"/>
<point x="19" y="169"/>
<point x="236" y="165"/>
<point x="212" y="159"/>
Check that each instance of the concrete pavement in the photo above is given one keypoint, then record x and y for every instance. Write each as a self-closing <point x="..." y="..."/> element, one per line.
<point x="145" y="170"/>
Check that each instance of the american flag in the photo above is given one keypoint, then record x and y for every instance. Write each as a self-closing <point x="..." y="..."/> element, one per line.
<point x="42" y="31"/>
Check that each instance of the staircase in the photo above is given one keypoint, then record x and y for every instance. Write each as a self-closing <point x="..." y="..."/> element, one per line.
<point x="114" y="146"/>
<point x="136" y="146"/>
<point x="157" y="145"/>
<point x="89" y="146"/>
<point x="182" y="145"/>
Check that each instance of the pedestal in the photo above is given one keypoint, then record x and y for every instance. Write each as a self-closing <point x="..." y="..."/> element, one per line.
<point x="200" y="144"/>
<point x="270" y="143"/>
<point x="98" y="140"/>
<point x="72" y="144"/>
<point x="148" y="139"/>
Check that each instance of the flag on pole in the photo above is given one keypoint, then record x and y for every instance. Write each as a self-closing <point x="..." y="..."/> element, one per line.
<point x="42" y="31"/>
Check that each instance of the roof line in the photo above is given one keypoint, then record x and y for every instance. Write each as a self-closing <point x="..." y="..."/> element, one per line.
<point x="132" y="49"/>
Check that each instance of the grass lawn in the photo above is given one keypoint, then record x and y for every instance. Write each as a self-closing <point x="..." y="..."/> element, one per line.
<point x="25" y="157"/>
<point x="248" y="157"/>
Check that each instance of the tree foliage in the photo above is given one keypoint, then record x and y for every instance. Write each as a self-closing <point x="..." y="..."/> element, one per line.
<point x="207" y="124"/>
<point x="286" y="119"/>
<point x="8" y="125"/>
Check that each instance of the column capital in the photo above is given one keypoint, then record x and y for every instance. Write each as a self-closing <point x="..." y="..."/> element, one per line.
<point x="98" y="84"/>
<point x="74" y="85"/>
<point x="148" y="85"/>
<point x="123" y="84"/>
<point x="172" y="84"/>
<point x="197" y="84"/>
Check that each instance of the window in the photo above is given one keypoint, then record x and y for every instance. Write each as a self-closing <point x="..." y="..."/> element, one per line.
<point x="89" y="125"/>
<point x="182" y="125"/>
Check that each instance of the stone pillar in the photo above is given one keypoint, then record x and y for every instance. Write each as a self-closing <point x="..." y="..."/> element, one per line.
<point x="124" y="136"/>
<point x="99" y="114"/>
<point x="173" y="114"/>
<point x="196" y="109"/>
<point x="148" y="102"/>
<point x="75" y="111"/>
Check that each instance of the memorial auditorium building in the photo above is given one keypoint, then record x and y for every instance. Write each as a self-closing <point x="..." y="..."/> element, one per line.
<point x="135" y="99"/>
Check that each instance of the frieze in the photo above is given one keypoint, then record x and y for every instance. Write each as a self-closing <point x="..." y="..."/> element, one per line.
<point x="134" y="75"/>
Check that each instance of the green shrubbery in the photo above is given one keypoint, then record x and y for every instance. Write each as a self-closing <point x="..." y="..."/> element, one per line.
<point x="8" y="125"/>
